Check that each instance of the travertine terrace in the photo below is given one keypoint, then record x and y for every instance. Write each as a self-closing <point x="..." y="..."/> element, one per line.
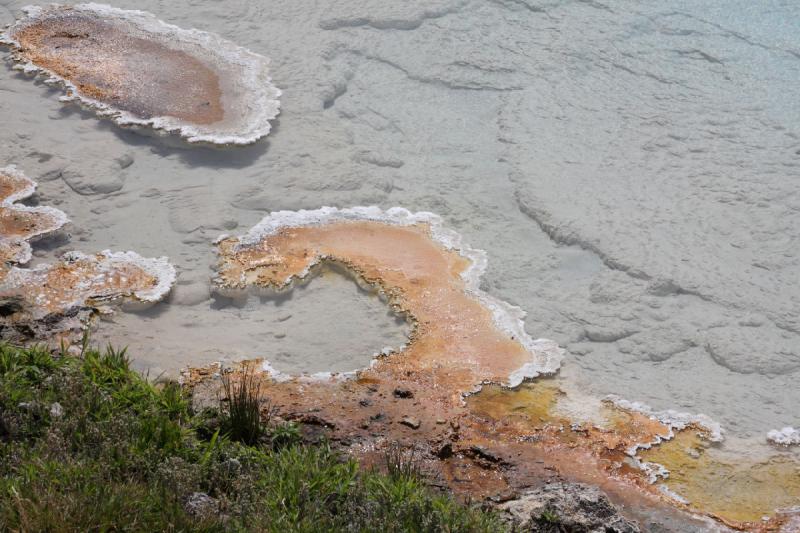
<point x="57" y="301"/>
<point x="139" y="71"/>
<point x="19" y="224"/>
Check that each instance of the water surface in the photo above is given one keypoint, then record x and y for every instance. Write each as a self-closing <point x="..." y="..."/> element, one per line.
<point x="631" y="168"/>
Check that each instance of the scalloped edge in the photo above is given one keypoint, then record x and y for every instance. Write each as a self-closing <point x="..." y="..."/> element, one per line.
<point x="10" y="202"/>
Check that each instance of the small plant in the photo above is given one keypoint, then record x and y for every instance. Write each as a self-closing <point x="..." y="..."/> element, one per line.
<point x="401" y="465"/>
<point x="285" y="435"/>
<point x="549" y="516"/>
<point x="550" y="522"/>
<point x="243" y="414"/>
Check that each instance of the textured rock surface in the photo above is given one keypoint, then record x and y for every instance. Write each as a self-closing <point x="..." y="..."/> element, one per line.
<point x="48" y="302"/>
<point x="59" y="299"/>
<point x="567" y="507"/>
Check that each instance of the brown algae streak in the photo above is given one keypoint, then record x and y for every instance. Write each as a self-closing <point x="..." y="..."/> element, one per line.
<point x="140" y="71"/>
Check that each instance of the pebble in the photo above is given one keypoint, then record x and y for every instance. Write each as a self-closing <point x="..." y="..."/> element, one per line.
<point x="411" y="422"/>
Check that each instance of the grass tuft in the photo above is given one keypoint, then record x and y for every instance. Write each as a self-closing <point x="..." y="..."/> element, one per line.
<point x="242" y="405"/>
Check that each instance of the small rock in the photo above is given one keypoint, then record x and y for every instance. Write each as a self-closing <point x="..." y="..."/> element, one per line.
<point x="410" y="421"/>
<point x="566" y="507"/>
<point x="124" y="161"/>
<point x="231" y="467"/>
<point x="56" y="411"/>
<point x="364" y="402"/>
<point x="483" y="453"/>
<point x="445" y="451"/>
<point x="503" y="497"/>
<point x="403" y="393"/>
<point x="441" y="421"/>
<point x="200" y="504"/>
<point x="313" y="420"/>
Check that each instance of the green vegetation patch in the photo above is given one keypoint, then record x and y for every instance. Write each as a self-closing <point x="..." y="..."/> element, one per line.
<point x="87" y="444"/>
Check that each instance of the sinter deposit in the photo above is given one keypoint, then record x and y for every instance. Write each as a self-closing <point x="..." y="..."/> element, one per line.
<point x="462" y="339"/>
<point x="140" y="71"/>
<point x="460" y="333"/>
<point x="19" y="224"/>
<point x="630" y="169"/>
<point x="56" y="301"/>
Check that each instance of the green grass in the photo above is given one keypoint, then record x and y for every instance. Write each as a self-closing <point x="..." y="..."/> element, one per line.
<point x="118" y="453"/>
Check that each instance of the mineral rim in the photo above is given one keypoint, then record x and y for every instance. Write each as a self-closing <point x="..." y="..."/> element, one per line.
<point x="455" y="395"/>
<point x="52" y="302"/>
<point x="461" y="334"/>
<point x="139" y="71"/>
<point x="20" y="224"/>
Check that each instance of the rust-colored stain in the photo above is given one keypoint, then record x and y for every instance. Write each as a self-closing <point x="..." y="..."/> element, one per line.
<point x="108" y="61"/>
<point x="492" y="444"/>
<point x="19" y="224"/>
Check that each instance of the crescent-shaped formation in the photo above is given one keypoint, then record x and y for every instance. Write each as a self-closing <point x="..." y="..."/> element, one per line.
<point x="142" y="72"/>
<point x="461" y="334"/>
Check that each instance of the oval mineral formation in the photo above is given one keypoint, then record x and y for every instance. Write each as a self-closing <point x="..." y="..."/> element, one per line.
<point x="139" y="71"/>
